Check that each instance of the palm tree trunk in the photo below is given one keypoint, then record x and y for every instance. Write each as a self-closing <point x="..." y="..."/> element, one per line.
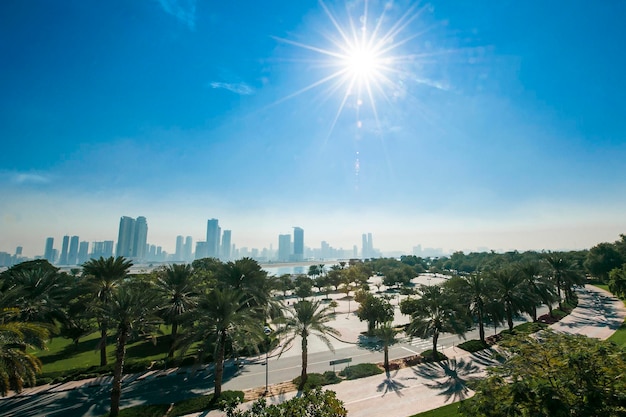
<point x="481" y="326"/>
<point x="305" y="357"/>
<point x="386" y="350"/>
<point x="103" y="344"/>
<point x="116" y="389"/>
<point x="170" y="354"/>
<point x="219" y="365"/>
<point x="534" y="313"/>
<point x="509" y="318"/>
<point x="435" y="339"/>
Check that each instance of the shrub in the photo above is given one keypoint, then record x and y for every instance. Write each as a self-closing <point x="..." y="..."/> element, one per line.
<point x="361" y="370"/>
<point x="206" y="402"/>
<point x="428" y="356"/>
<point x="152" y="410"/>
<point x="315" y="380"/>
<point x="133" y="367"/>
<point x="474" y="345"/>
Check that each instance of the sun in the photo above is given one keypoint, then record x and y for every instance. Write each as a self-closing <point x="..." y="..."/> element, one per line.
<point x="362" y="63"/>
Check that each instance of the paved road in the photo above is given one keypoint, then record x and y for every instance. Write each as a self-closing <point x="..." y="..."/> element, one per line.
<point x="92" y="399"/>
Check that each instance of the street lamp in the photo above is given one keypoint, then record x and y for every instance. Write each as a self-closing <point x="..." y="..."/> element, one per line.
<point x="267" y="332"/>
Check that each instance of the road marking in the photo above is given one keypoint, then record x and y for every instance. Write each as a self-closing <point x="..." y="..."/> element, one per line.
<point x="409" y="350"/>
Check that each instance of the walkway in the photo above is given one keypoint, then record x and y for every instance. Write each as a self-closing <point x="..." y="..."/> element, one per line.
<point x="421" y="388"/>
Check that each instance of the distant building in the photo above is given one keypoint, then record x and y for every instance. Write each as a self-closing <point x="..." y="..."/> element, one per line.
<point x="284" y="248"/>
<point x="102" y="249"/>
<point x="212" y="238"/>
<point x="83" y="252"/>
<point x="298" y="244"/>
<point x="188" y="249"/>
<point x="132" y="238"/>
<point x="201" y="250"/>
<point x="49" y="251"/>
<point x="367" y="247"/>
<point x="178" y="255"/>
<point x="226" y="245"/>
<point x="72" y="254"/>
<point x="64" y="248"/>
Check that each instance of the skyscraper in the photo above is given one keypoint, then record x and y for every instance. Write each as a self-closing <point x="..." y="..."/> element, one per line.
<point x="178" y="255"/>
<point x="72" y="255"/>
<point x="49" y="251"/>
<point x="188" y="249"/>
<point x="226" y="245"/>
<point x="212" y="238"/>
<point x="64" y="248"/>
<point x="132" y="237"/>
<point x="284" y="248"/>
<point x="140" y="238"/>
<point x="201" y="250"/>
<point x="83" y="252"/>
<point x="125" y="237"/>
<point x="298" y="244"/>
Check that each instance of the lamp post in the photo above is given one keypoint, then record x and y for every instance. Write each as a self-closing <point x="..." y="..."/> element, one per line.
<point x="267" y="332"/>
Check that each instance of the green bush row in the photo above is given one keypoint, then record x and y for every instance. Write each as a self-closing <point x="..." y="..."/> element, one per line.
<point x="361" y="370"/>
<point x="317" y="380"/>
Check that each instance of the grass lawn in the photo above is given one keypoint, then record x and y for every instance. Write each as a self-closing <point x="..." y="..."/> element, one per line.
<point x="63" y="356"/>
<point x="450" y="410"/>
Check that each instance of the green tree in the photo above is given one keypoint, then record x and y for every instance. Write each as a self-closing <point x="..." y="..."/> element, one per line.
<point x="132" y="311"/>
<point x="102" y="277"/>
<point x="553" y="375"/>
<point x="387" y="335"/>
<point x="565" y="275"/>
<point x="603" y="258"/>
<point x="617" y="281"/>
<point x="539" y="286"/>
<point x="374" y="310"/>
<point x="313" y="403"/>
<point x="512" y="293"/>
<point x="306" y="318"/>
<point x="437" y="312"/>
<point x="177" y="286"/>
<point x="475" y="291"/>
<point x="223" y="317"/>
<point x="17" y="366"/>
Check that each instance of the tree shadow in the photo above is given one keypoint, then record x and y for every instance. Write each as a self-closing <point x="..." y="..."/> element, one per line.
<point x="390" y="385"/>
<point x="450" y="377"/>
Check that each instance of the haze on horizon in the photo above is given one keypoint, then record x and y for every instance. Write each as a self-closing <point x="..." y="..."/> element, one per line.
<point x="490" y="124"/>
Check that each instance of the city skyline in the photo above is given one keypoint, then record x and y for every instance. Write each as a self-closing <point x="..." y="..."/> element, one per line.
<point x="463" y="126"/>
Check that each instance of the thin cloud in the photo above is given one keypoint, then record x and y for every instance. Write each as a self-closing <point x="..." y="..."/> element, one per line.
<point x="435" y="84"/>
<point x="183" y="10"/>
<point x="237" y="88"/>
<point x="23" y="178"/>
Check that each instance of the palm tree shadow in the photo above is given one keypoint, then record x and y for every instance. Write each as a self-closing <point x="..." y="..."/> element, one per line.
<point x="390" y="385"/>
<point x="450" y="377"/>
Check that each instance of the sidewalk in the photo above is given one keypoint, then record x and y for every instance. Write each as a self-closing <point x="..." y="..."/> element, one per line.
<point x="425" y="387"/>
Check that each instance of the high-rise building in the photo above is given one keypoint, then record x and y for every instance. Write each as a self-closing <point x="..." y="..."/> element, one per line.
<point x="49" y="251"/>
<point x="212" y="238"/>
<point x="140" y="238"/>
<point x="132" y="238"/>
<point x="125" y="237"/>
<point x="284" y="248"/>
<point x="83" y="252"/>
<point x="102" y="249"/>
<point x="367" y="250"/>
<point x="18" y="251"/>
<point x="298" y="243"/>
<point x="64" y="248"/>
<point x="178" y="255"/>
<point x="201" y="250"/>
<point x="188" y="249"/>
<point x="226" y="245"/>
<point x="72" y="255"/>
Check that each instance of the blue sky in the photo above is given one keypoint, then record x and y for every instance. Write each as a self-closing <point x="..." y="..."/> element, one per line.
<point x="499" y="125"/>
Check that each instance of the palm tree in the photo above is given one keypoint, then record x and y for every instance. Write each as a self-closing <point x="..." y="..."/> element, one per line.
<point x="177" y="286"/>
<point x="387" y="334"/>
<point x="531" y="273"/>
<point x="565" y="275"/>
<point x="222" y="316"/>
<point x="436" y="312"/>
<point x="133" y="310"/>
<point x="307" y="318"/>
<point x="475" y="289"/>
<point x="17" y="366"/>
<point x="512" y="292"/>
<point x="102" y="277"/>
